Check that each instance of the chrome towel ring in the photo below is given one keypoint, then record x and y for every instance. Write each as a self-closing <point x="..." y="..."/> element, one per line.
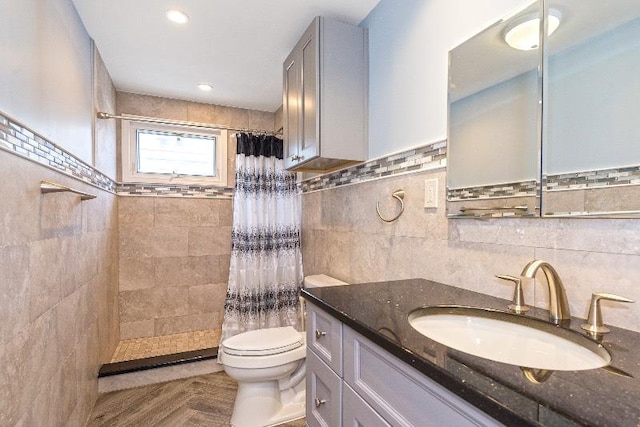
<point x="398" y="195"/>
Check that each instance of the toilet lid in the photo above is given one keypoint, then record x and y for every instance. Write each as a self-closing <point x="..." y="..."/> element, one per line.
<point x="263" y="342"/>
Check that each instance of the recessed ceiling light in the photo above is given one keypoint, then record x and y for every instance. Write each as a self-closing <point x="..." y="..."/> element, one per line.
<point x="177" y="16"/>
<point x="523" y="33"/>
<point x="205" y="87"/>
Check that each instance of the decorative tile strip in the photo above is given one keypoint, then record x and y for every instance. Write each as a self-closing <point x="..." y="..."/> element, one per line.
<point x="629" y="175"/>
<point x="426" y="157"/>
<point x="21" y="141"/>
<point x="513" y="189"/>
<point x="175" y="190"/>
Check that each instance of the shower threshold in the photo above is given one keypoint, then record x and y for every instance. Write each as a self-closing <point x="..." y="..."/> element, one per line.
<point x="141" y="354"/>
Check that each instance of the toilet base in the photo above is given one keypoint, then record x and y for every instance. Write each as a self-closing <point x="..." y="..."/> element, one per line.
<point x="290" y="412"/>
<point x="264" y="405"/>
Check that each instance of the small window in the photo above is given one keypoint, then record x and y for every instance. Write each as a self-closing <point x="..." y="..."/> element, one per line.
<point x="161" y="153"/>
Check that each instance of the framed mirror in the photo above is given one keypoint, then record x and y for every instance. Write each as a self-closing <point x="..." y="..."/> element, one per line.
<point x="494" y="136"/>
<point x="591" y="125"/>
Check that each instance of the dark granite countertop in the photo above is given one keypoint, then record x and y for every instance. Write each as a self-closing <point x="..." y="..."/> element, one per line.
<point x="601" y="397"/>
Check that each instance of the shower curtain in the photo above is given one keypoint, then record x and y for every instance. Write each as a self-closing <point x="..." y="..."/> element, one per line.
<point x="265" y="275"/>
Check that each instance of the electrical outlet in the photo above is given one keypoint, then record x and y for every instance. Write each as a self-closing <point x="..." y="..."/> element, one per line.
<point x="430" y="193"/>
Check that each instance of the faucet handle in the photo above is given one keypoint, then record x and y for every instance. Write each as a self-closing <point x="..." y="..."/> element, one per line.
<point x="518" y="305"/>
<point x="594" y="323"/>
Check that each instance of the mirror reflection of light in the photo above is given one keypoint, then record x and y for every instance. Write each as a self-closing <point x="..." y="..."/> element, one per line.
<point x="177" y="16"/>
<point x="523" y="34"/>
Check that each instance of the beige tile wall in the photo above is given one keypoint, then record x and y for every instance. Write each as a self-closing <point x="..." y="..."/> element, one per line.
<point x="174" y="252"/>
<point x="58" y="293"/>
<point x="174" y="264"/>
<point x="104" y="98"/>
<point x="58" y="285"/>
<point x="343" y="237"/>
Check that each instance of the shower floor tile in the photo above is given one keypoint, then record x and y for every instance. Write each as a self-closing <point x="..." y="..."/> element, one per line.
<point x="141" y="348"/>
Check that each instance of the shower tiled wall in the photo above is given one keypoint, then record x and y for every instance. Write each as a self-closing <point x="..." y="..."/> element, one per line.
<point x="343" y="237"/>
<point x="58" y="277"/>
<point x="175" y="243"/>
<point x="174" y="264"/>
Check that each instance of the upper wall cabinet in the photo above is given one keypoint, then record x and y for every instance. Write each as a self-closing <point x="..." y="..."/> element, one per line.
<point x="548" y="132"/>
<point x="325" y="97"/>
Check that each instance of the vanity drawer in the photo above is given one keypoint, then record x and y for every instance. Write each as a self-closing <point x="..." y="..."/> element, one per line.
<point x="401" y="395"/>
<point x="324" y="394"/>
<point x="324" y="337"/>
<point x="356" y="412"/>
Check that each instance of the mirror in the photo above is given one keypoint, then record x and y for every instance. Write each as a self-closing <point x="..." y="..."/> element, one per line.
<point x="494" y="123"/>
<point x="564" y="144"/>
<point x="591" y="126"/>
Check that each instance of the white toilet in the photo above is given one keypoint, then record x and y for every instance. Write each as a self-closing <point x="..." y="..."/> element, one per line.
<point x="269" y="366"/>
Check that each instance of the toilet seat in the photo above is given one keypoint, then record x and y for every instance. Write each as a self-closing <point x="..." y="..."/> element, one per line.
<point x="264" y="342"/>
<point x="293" y="349"/>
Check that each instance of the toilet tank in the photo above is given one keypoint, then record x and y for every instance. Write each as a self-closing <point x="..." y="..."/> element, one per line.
<point x="321" y="280"/>
<point x="316" y="281"/>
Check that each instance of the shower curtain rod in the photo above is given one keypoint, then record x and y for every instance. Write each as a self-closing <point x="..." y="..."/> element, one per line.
<point x="103" y="115"/>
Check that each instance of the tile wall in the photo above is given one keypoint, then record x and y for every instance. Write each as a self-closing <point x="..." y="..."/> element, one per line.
<point x="174" y="264"/>
<point x="343" y="237"/>
<point x="58" y="277"/>
<point x="58" y="316"/>
<point x="175" y="243"/>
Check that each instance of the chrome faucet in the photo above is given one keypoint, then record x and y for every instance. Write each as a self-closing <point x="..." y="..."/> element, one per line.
<point x="558" y="305"/>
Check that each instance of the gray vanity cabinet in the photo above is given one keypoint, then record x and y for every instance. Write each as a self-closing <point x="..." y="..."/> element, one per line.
<point x="324" y="393"/>
<point x="370" y="386"/>
<point x="325" y="97"/>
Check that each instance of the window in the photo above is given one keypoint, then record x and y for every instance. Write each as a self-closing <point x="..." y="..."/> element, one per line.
<point x="158" y="153"/>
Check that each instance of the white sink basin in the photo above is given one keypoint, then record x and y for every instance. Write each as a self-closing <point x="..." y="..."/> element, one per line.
<point x="509" y="338"/>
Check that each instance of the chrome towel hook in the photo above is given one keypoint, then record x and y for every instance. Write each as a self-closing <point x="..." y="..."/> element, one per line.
<point x="398" y="195"/>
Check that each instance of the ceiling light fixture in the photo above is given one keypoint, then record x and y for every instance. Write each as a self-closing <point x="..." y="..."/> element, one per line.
<point x="205" y="87"/>
<point x="524" y="32"/>
<point x="177" y="16"/>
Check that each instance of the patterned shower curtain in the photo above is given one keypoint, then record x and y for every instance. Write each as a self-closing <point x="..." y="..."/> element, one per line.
<point x="265" y="275"/>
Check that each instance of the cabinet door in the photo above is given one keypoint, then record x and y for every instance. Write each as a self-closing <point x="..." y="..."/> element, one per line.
<point x="324" y="394"/>
<point x="308" y="147"/>
<point x="400" y="394"/>
<point x="291" y="108"/>
<point x="324" y="337"/>
<point x="356" y="412"/>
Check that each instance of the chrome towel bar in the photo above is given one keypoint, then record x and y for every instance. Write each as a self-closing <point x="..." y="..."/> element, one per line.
<point x="52" y="187"/>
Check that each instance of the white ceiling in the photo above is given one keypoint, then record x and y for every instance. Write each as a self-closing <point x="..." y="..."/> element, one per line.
<point x="237" y="46"/>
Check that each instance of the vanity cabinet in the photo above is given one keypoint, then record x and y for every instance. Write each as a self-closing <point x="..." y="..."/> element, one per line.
<point x="325" y="97"/>
<point x="373" y="387"/>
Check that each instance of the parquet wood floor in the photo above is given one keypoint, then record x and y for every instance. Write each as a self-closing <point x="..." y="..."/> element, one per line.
<point x="202" y="401"/>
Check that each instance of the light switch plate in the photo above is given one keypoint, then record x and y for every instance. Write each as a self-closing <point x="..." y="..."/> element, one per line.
<point x="430" y="193"/>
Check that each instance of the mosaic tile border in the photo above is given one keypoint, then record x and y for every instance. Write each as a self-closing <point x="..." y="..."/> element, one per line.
<point x="629" y="175"/>
<point x="22" y="141"/>
<point x="426" y="157"/>
<point x="164" y="190"/>
<point x="600" y="178"/>
<point x="511" y="189"/>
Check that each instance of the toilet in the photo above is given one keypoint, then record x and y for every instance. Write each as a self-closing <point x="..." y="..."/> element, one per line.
<point x="269" y="366"/>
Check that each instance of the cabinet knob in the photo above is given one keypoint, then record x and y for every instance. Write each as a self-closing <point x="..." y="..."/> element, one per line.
<point x="518" y="306"/>
<point x="320" y="334"/>
<point x="320" y="402"/>
<point x="296" y="158"/>
<point x="594" y="323"/>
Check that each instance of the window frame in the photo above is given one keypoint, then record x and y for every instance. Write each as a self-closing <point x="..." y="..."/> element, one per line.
<point x="130" y="174"/>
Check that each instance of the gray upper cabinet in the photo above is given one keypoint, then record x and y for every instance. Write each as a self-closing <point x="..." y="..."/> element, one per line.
<point x="325" y="97"/>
